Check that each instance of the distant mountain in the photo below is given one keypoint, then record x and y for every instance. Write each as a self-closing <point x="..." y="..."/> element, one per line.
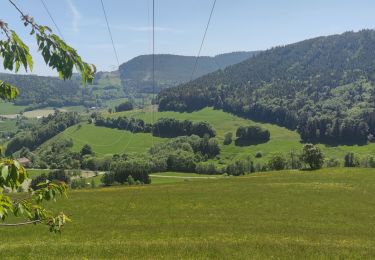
<point x="172" y="70"/>
<point x="323" y="87"/>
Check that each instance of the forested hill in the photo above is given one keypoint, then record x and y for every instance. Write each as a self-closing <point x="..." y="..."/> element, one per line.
<point x="324" y="87"/>
<point x="48" y="91"/>
<point x="172" y="70"/>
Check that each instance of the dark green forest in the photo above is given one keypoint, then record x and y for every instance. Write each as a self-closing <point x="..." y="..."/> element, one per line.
<point x="323" y="87"/>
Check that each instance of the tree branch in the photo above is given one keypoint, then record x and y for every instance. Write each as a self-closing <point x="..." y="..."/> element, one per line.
<point x="18" y="9"/>
<point x="21" y="223"/>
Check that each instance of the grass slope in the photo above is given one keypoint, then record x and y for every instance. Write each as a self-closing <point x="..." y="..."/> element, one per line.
<point x="288" y="215"/>
<point x="111" y="141"/>
<point x="7" y="108"/>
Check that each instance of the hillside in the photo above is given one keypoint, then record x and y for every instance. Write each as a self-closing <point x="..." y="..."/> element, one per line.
<point x="283" y="215"/>
<point x="106" y="141"/>
<point x="40" y="91"/>
<point x="172" y="70"/>
<point x="323" y="87"/>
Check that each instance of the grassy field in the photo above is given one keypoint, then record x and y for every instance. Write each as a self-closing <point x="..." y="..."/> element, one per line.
<point x="7" y="108"/>
<point x="289" y="215"/>
<point x="8" y="125"/>
<point x="110" y="141"/>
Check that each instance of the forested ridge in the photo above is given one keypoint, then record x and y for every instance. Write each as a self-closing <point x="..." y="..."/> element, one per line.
<point x="41" y="91"/>
<point x="323" y="87"/>
<point x="172" y="70"/>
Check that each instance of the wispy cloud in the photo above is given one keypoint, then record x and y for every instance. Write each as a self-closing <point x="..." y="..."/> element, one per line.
<point x="76" y="15"/>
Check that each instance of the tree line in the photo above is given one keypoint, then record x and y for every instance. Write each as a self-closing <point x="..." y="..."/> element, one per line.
<point x="47" y="128"/>
<point x="163" y="127"/>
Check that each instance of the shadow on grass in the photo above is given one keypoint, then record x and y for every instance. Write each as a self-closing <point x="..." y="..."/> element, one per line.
<point x="242" y="142"/>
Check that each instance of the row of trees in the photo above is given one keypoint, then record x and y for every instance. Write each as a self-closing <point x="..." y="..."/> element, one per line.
<point x="164" y="127"/>
<point x="252" y="135"/>
<point x="170" y="127"/>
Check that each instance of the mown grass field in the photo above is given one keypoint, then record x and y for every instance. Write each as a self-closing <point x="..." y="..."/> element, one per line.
<point x="110" y="141"/>
<point x="7" y="108"/>
<point x="326" y="214"/>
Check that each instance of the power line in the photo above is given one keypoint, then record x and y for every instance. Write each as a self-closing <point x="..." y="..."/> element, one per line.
<point x="110" y="33"/>
<point x="53" y="20"/>
<point x="204" y="37"/>
<point x="153" y="66"/>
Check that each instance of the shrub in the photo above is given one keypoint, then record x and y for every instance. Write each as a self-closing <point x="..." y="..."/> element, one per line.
<point x="130" y="180"/>
<point x="78" y="183"/>
<point x="108" y="179"/>
<point x="126" y="106"/>
<point x="258" y="154"/>
<point x="56" y="175"/>
<point x="313" y="156"/>
<point x="86" y="150"/>
<point x="332" y="162"/>
<point x="350" y="160"/>
<point x="368" y="162"/>
<point x="207" y="168"/>
<point x="139" y="169"/>
<point x="240" y="167"/>
<point x="277" y="162"/>
<point x="181" y="161"/>
<point x="228" y="138"/>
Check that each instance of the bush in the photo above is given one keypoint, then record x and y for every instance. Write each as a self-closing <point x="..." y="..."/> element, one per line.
<point x="78" y="184"/>
<point x="130" y="180"/>
<point x="368" y="162"/>
<point x="313" y="156"/>
<point x="277" y="162"/>
<point x="207" y="168"/>
<point x="294" y="160"/>
<point x="258" y="154"/>
<point x="350" y="160"/>
<point x="181" y="161"/>
<point x="332" y="162"/>
<point x="240" y="167"/>
<point x="56" y="175"/>
<point x="86" y="150"/>
<point x="228" y="138"/>
<point x="139" y="169"/>
<point x="126" y="106"/>
<point x="108" y="179"/>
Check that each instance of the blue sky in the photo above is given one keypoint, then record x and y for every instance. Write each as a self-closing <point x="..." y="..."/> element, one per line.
<point x="236" y="25"/>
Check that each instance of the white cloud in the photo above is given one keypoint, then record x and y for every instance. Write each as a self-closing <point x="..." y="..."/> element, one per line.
<point x="76" y="16"/>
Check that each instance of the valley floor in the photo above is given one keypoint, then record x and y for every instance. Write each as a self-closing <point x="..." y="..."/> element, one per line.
<point x="328" y="213"/>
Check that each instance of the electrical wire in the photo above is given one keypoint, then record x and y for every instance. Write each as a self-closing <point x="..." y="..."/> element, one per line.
<point x="203" y="39"/>
<point x="110" y="33"/>
<point x="53" y="20"/>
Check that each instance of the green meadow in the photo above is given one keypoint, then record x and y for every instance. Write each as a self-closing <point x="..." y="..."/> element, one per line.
<point x="111" y="141"/>
<point x="7" y="108"/>
<point x="283" y="215"/>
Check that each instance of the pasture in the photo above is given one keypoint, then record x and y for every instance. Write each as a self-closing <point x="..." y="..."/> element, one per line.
<point x="111" y="141"/>
<point x="8" y="108"/>
<point x="284" y="215"/>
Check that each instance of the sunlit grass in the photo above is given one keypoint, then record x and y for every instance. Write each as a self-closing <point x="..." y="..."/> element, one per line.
<point x="289" y="215"/>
